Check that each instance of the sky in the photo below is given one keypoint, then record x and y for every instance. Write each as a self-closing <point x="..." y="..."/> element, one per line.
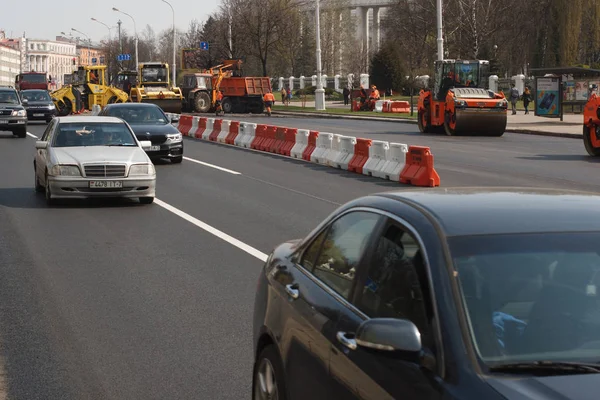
<point x="42" y="19"/>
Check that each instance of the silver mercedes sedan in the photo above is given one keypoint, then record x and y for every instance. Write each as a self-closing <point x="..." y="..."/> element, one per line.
<point x="89" y="156"/>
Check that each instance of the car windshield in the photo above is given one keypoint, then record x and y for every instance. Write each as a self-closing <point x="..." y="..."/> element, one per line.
<point x="531" y="297"/>
<point x="93" y="134"/>
<point x="136" y="115"/>
<point x="37" y="95"/>
<point x="34" y="78"/>
<point x="9" y="97"/>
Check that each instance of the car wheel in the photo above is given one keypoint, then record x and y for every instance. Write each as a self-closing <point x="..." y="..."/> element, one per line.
<point x="38" y="188"/>
<point x="177" y="160"/>
<point x="146" y="200"/>
<point x="268" y="381"/>
<point x="21" y="133"/>
<point x="49" y="200"/>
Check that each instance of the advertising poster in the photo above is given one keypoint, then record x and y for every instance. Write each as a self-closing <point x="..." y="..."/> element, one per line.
<point x="569" y="91"/>
<point x="581" y="90"/>
<point x="547" y="99"/>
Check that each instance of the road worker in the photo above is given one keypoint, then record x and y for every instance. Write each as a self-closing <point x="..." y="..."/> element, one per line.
<point x="269" y="99"/>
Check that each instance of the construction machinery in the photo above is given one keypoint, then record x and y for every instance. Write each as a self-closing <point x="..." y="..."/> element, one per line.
<point x="125" y="80"/>
<point x="155" y="87"/>
<point x="459" y="103"/>
<point x="591" y="124"/>
<point x="88" y="87"/>
<point x="240" y="94"/>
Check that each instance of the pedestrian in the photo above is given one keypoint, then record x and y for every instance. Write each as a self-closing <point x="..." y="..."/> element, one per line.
<point x="526" y="99"/>
<point x="514" y="97"/>
<point x="269" y="99"/>
<point x="289" y="95"/>
<point x="346" y="96"/>
<point x="283" y="96"/>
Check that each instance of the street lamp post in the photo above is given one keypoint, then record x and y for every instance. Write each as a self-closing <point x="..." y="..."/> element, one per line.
<point x="107" y="27"/>
<point x="89" y="39"/>
<point x="440" y="31"/>
<point x="320" y="92"/>
<point x="174" y="68"/>
<point x="136" y="38"/>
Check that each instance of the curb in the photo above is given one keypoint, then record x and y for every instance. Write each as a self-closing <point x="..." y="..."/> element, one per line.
<point x="412" y="121"/>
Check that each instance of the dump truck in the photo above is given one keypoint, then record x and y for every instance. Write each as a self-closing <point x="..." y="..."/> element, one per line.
<point x="240" y="94"/>
<point x="460" y="103"/>
<point x="155" y="87"/>
<point x="32" y="80"/>
<point x="88" y="87"/>
<point x="591" y="124"/>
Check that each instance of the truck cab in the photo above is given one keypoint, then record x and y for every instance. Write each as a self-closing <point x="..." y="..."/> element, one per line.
<point x="32" y="80"/>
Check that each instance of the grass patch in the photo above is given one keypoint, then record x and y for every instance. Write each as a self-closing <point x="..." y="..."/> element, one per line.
<point x="343" y="111"/>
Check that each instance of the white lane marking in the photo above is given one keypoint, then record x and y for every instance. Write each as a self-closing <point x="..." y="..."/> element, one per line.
<point x="32" y="135"/>
<point x="212" y="166"/>
<point x="214" y="231"/>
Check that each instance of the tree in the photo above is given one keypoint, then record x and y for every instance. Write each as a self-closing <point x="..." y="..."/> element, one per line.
<point x="386" y="69"/>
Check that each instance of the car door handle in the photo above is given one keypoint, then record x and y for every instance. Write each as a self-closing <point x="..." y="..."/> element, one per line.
<point x="292" y="290"/>
<point x="343" y="339"/>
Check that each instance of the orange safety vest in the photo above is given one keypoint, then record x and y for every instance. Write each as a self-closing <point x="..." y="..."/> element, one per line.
<point x="269" y="97"/>
<point x="219" y="96"/>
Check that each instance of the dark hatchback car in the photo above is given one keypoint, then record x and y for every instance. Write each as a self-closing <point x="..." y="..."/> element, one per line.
<point x="438" y="294"/>
<point x="149" y="122"/>
<point x="39" y="105"/>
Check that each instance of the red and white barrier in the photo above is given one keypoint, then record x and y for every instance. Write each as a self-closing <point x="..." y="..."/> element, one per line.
<point x="363" y="156"/>
<point x="301" y="143"/>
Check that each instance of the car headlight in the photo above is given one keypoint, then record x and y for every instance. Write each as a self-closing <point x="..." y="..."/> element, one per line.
<point x="460" y="103"/>
<point x="174" y="137"/>
<point x="19" y="113"/>
<point x="141" y="170"/>
<point x="66" y="170"/>
<point x="51" y="107"/>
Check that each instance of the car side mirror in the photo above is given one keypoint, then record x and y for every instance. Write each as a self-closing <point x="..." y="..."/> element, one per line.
<point x="390" y="334"/>
<point x="174" y="119"/>
<point x="40" y="144"/>
<point x="146" y="144"/>
<point x="25" y="102"/>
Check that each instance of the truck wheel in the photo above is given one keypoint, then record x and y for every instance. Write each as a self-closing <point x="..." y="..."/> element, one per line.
<point x="424" y="124"/>
<point x="227" y="105"/>
<point x="65" y="107"/>
<point x="202" y="102"/>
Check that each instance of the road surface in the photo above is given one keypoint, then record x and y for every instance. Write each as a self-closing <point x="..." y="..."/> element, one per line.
<point x="122" y="301"/>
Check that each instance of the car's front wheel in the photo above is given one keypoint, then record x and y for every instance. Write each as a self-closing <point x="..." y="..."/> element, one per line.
<point x="21" y="133"/>
<point x="177" y="160"/>
<point x="268" y="380"/>
<point x="49" y="200"/>
<point x="38" y="187"/>
<point x="146" y="200"/>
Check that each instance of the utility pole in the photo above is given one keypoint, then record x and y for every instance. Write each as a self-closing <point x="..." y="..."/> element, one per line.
<point x="440" y="31"/>
<point x="120" y="45"/>
<point x="320" y="92"/>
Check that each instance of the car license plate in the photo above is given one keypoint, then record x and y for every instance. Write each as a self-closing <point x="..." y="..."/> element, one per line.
<point x="38" y="115"/>
<point x="106" y="184"/>
<point x="154" y="148"/>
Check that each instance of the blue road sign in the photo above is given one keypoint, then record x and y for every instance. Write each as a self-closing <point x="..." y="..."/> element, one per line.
<point x="124" y="57"/>
<point x="203" y="45"/>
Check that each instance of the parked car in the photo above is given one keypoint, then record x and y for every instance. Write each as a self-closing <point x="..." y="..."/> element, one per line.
<point x="149" y="122"/>
<point x="438" y="294"/>
<point x="39" y="105"/>
<point x="90" y="156"/>
<point x="13" y="117"/>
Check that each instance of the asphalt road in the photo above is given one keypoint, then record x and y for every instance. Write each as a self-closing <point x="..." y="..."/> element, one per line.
<point x="117" y="300"/>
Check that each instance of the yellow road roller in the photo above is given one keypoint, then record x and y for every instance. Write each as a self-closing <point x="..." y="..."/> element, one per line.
<point x="155" y="87"/>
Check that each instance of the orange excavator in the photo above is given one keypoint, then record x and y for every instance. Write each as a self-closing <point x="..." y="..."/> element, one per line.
<point x="591" y="124"/>
<point x="459" y="102"/>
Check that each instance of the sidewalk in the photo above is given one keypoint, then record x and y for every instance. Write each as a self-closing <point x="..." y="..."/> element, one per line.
<point x="571" y="126"/>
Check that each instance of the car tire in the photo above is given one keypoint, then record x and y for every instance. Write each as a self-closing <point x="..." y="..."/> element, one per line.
<point x="38" y="188"/>
<point x="177" y="160"/>
<point x="49" y="200"/>
<point x="21" y="133"/>
<point x="146" y="200"/>
<point x="268" y="362"/>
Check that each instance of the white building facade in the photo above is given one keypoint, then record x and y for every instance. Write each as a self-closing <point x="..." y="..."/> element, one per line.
<point x="10" y="65"/>
<point x="53" y="57"/>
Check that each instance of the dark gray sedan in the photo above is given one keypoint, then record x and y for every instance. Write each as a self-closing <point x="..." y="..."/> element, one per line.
<point x="438" y="294"/>
<point x="149" y="122"/>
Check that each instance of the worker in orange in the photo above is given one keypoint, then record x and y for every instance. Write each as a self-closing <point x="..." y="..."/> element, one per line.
<point x="218" y="103"/>
<point x="373" y="97"/>
<point x="269" y="99"/>
<point x="93" y="77"/>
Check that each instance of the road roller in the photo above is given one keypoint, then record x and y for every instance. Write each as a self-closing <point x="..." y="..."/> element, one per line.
<point x="460" y="103"/>
<point x="591" y="125"/>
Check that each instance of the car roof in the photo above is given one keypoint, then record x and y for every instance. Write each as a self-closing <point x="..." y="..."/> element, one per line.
<point x="89" y="119"/>
<point x="130" y="105"/>
<point x="34" y="90"/>
<point x="6" y="89"/>
<point x="485" y="211"/>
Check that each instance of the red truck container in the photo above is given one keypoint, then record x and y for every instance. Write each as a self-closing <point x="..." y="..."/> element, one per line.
<point x="32" y="80"/>
<point x="243" y="94"/>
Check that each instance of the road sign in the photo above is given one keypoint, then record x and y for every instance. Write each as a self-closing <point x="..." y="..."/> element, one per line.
<point x="124" y="57"/>
<point x="204" y="45"/>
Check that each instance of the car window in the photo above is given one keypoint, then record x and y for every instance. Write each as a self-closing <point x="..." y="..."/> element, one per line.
<point x="49" y="128"/>
<point x="342" y="249"/>
<point x="93" y="134"/>
<point x="138" y="115"/>
<point x="37" y="95"/>
<point x="9" y="97"/>
<point x="532" y="296"/>
<point x="395" y="283"/>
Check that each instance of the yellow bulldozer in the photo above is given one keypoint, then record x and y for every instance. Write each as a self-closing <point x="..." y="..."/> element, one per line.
<point x="88" y="88"/>
<point x="155" y="87"/>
